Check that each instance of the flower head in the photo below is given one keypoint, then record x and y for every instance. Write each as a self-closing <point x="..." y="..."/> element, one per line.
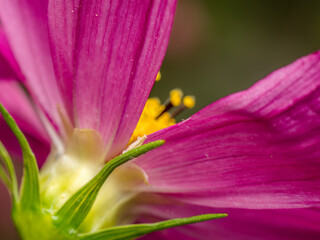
<point x="89" y="67"/>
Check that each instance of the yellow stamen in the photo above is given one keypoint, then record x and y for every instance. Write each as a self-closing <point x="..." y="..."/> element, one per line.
<point x="189" y="101"/>
<point x="149" y="122"/>
<point x="158" y="77"/>
<point x="176" y="97"/>
<point x="156" y="116"/>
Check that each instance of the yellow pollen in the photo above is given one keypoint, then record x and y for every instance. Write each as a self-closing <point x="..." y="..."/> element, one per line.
<point x="158" y="77"/>
<point x="176" y="97"/>
<point x="189" y="101"/>
<point x="148" y="122"/>
<point x="155" y="116"/>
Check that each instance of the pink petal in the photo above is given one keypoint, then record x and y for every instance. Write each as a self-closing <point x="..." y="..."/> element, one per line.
<point x="16" y="102"/>
<point x="240" y="224"/>
<point x="9" y="68"/>
<point x="25" y="25"/>
<point x="255" y="149"/>
<point x="107" y="55"/>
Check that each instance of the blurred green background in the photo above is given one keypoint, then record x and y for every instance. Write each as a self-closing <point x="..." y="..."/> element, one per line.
<point x="222" y="46"/>
<point x="219" y="47"/>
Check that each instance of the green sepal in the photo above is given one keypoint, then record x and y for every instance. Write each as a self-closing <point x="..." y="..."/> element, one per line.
<point x="30" y="197"/>
<point x="11" y="179"/>
<point x="5" y="178"/>
<point x="137" y="230"/>
<point x="74" y="211"/>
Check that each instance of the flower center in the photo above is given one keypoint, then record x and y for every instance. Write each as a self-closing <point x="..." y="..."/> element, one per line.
<point x="157" y="116"/>
<point x="63" y="175"/>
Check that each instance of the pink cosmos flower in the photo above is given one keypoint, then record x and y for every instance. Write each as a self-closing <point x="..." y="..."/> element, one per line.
<point x="91" y="65"/>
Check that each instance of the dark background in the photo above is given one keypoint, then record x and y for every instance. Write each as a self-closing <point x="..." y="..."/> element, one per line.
<point x="219" y="47"/>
